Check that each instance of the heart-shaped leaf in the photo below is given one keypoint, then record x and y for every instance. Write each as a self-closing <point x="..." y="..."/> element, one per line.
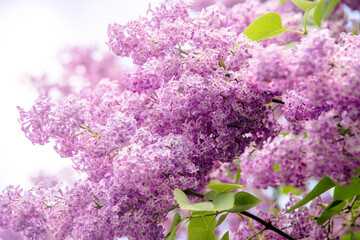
<point x="244" y="201"/>
<point x="304" y="5"/>
<point x="184" y="202"/>
<point x="319" y="12"/>
<point x="266" y="26"/>
<point x="224" y="201"/>
<point x="224" y="187"/>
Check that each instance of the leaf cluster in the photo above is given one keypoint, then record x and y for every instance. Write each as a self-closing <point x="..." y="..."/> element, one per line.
<point x="345" y="204"/>
<point x="270" y="24"/>
<point x="203" y="215"/>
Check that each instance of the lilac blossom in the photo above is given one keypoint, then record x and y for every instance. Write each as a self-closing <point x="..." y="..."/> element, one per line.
<point x="80" y="67"/>
<point x="199" y="100"/>
<point x="328" y="149"/>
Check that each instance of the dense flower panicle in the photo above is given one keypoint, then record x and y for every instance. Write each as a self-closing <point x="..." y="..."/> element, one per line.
<point x="35" y="122"/>
<point x="332" y="150"/>
<point x="87" y="127"/>
<point x="279" y="162"/>
<point x="317" y="61"/>
<point x="184" y="89"/>
<point x="314" y="56"/>
<point x="271" y="68"/>
<point x="199" y="97"/>
<point x="345" y="82"/>
<point x="144" y="79"/>
<point x="151" y="37"/>
<point x="220" y="117"/>
<point x="81" y="67"/>
<point x="310" y="63"/>
<point x="329" y="149"/>
<point x="298" y="107"/>
<point x="130" y="202"/>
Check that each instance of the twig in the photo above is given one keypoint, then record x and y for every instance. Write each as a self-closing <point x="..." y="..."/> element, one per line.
<point x="275" y="100"/>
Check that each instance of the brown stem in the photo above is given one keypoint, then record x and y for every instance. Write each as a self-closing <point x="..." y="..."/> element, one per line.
<point x="268" y="225"/>
<point x="193" y="193"/>
<point x="277" y="101"/>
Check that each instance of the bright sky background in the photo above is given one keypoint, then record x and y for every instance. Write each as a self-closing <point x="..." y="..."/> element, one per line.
<point x="31" y="34"/>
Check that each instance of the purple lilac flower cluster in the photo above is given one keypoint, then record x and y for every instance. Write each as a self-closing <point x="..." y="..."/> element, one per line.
<point x="200" y="96"/>
<point x="298" y="107"/>
<point x="319" y="75"/>
<point x="81" y="67"/>
<point x="329" y="148"/>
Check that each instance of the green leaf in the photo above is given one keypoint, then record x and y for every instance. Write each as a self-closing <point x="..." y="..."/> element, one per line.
<point x="221" y="219"/>
<point x="184" y="202"/>
<point x="224" y="187"/>
<point x="347" y="191"/>
<point x="226" y="236"/>
<point x="351" y="236"/>
<point x="171" y="236"/>
<point x="354" y="179"/>
<point x="266" y="26"/>
<point x="224" y="201"/>
<point x="291" y="45"/>
<point x="200" y="213"/>
<point x="211" y="195"/>
<point x="276" y="167"/>
<point x="356" y="204"/>
<point x="205" y="222"/>
<point x="172" y="233"/>
<point x="215" y="181"/>
<point x="199" y="233"/>
<point x="310" y="22"/>
<point x="331" y="210"/>
<point x="329" y="7"/>
<point x="282" y="1"/>
<point x="202" y="206"/>
<point x="295" y="191"/>
<point x="222" y="64"/>
<point x="356" y="171"/>
<point x="325" y="184"/>
<point x="304" y="5"/>
<point x="238" y="175"/>
<point x="176" y="220"/>
<point x="181" y="198"/>
<point x="357" y="29"/>
<point x="251" y="224"/>
<point x="319" y="12"/>
<point x="244" y="201"/>
<point x="202" y="228"/>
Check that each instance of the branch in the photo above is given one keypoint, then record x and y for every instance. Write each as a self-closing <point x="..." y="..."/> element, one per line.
<point x="193" y="193"/>
<point x="267" y="225"/>
<point x="275" y="100"/>
<point x="181" y="51"/>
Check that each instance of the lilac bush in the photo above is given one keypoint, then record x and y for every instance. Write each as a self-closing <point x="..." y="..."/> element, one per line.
<point x="207" y="101"/>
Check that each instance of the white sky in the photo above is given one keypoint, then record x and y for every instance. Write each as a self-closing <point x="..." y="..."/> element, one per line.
<point x="31" y="34"/>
